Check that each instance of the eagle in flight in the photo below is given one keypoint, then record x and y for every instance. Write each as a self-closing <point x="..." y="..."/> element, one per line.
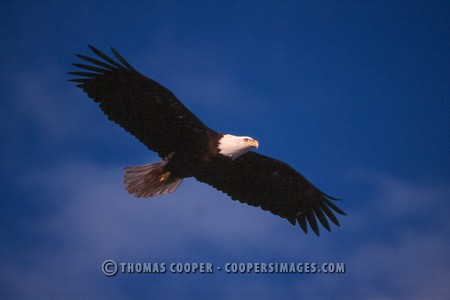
<point x="189" y="148"/>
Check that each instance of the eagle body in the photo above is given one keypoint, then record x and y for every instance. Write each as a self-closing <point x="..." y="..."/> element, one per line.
<point x="189" y="148"/>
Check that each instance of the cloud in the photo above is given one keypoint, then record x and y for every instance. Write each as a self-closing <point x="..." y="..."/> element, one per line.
<point x="92" y="219"/>
<point x="401" y="241"/>
<point x="41" y="98"/>
<point x="411" y="267"/>
<point x="399" y="206"/>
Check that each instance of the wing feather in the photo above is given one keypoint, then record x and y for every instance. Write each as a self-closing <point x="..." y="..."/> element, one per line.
<point x="96" y="62"/>
<point x="302" y="222"/>
<point x="106" y="58"/>
<point x="90" y="68"/>
<point x="312" y="221"/>
<point x="322" y="218"/>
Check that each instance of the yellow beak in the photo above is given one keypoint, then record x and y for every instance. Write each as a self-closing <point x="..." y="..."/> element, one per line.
<point x="254" y="143"/>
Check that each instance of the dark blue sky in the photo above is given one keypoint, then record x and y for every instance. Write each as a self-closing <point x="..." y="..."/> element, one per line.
<point x="354" y="95"/>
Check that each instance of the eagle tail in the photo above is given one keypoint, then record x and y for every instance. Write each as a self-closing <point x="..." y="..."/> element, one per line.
<point x="150" y="180"/>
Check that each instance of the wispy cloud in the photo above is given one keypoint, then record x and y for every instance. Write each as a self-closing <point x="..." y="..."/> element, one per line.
<point x="41" y="98"/>
<point x="94" y="219"/>
<point x="402" y="240"/>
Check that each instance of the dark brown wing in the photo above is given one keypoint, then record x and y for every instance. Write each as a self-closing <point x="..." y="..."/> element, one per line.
<point x="140" y="105"/>
<point x="273" y="185"/>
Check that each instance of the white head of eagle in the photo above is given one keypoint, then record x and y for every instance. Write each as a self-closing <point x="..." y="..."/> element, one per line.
<point x="235" y="146"/>
<point x="189" y="148"/>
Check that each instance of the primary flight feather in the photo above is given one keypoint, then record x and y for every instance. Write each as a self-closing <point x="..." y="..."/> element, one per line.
<point x="189" y="148"/>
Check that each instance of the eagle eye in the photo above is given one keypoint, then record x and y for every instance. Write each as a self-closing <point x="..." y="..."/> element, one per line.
<point x="246" y="139"/>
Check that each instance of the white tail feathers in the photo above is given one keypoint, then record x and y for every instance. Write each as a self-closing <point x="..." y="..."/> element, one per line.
<point x="150" y="180"/>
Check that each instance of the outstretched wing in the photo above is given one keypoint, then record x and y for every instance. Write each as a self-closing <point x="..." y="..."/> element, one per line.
<point x="273" y="185"/>
<point x="140" y="105"/>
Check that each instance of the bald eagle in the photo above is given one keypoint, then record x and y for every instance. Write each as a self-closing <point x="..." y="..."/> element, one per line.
<point x="189" y="148"/>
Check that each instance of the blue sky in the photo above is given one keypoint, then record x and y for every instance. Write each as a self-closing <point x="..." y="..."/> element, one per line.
<point x="354" y="95"/>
